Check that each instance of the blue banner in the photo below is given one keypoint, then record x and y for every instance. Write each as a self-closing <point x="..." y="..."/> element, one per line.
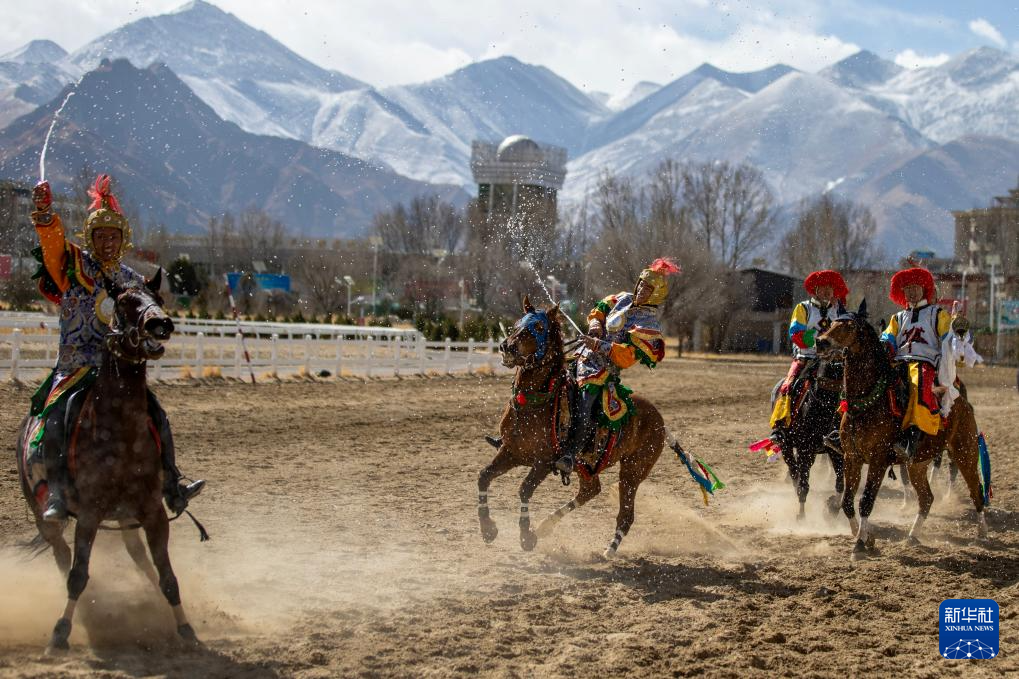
<point x="266" y="281"/>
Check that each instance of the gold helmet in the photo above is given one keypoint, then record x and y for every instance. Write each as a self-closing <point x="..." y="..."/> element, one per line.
<point x="105" y="213"/>
<point x="656" y="276"/>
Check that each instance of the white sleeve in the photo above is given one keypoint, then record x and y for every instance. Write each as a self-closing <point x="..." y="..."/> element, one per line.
<point x="946" y="373"/>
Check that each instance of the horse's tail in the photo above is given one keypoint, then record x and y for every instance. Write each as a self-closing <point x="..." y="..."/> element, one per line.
<point x="34" y="547"/>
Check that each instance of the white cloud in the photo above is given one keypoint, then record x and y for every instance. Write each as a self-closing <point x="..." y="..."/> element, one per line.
<point x="910" y="59"/>
<point x="985" y="29"/>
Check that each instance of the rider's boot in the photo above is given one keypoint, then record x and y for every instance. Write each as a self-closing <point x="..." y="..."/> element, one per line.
<point x="581" y="426"/>
<point x="907" y="443"/>
<point x="176" y="493"/>
<point x="56" y="470"/>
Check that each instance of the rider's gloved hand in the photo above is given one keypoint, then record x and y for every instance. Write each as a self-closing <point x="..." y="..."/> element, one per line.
<point x="43" y="199"/>
<point x="42" y="196"/>
<point x="594" y="329"/>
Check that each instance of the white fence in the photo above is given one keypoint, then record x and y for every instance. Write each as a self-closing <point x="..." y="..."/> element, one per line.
<point x="28" y="344"/>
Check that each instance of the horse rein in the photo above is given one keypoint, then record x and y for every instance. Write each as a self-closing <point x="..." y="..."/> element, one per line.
<point x="132" y="336"/>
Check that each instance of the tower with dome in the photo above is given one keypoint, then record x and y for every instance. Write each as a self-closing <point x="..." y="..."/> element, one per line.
<point x="518" y="178"/>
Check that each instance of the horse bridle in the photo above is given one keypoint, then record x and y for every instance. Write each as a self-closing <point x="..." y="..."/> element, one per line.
<point x="529" y="323"/>
<point x="132" y="336"/>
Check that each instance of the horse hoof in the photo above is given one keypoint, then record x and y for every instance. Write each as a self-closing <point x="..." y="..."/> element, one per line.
<point x="801" y="515"/>
<point x="489" y="532"/>
<point x="187" y="633"/>
<point x="834" y="504"/>
<point x="870" y="543"/>
<point x="528" y="540"/>
<point x="912" y="541"/>
<point x="545" y="528"/>
<point x="609" y="554"/>
<point x="57" y="649"/>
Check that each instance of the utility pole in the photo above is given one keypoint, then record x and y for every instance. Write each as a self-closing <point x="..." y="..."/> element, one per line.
<point x="376" y="242"/>
<point x="463" y="295"/>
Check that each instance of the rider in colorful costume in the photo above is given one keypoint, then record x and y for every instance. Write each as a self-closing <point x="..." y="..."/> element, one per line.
<point x="623" y="329"/>
<point x="810" y="318"/>
<point x="72" y="277"/>
<point x="914" y="336"/>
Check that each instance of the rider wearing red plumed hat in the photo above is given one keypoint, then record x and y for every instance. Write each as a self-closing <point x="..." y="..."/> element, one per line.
<point x="74" y="277"/>
<point x="812" y="316"/>
<point x="914" y="337"/>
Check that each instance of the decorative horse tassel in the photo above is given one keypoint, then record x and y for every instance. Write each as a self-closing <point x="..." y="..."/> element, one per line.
<point x="707" y="485"/>
<point x="985" y="468"/>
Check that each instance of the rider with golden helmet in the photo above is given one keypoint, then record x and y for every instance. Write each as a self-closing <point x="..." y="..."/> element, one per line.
<point x="623" y="329"/>
<point x="74" y="278"/>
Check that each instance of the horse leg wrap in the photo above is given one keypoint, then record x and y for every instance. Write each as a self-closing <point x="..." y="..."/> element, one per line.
<point x="483" y="504"/>
<point x="525" y="516"/>
<point x="614" y="545"/>
<point x="914" y="532"/>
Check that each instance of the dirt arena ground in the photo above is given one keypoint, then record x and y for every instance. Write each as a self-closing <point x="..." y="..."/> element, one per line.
<point x="345" y="543"/>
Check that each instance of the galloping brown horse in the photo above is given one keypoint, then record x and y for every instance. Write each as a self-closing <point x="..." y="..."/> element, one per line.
<point x="869" y="429"/>
<point x="528" y="424"/>
<point x="115" y="461"/>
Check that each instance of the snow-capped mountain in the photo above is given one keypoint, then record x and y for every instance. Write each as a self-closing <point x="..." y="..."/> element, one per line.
<point x="642" y="89"/>
<point x="913" y="201"/>
<point x="29" y="77"/>
<point x="861" y="70"/>
<point x="244" y="74"/>
<point x="425" y="131"/>
<point x="851" y="127"/>
<point x="658" y="138"/>
<point x="36" y="52"/>
<point x="802" y="131"/>
<point x="180" y="163"/>
<point x="633" y="118"/>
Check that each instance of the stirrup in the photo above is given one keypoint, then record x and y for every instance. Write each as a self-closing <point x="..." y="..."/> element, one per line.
<point x="565" y="464"/>
<point x="56" y="509"/>
<point x="178" y="497"/>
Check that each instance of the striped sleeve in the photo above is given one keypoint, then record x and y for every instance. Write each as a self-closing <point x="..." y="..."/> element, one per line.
<point x="891" y="332"/>
<point x="798" y="325"/>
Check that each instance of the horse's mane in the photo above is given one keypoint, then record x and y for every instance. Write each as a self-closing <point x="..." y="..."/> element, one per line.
<point x="555" y="331"/>
<point x="872" y="344"/>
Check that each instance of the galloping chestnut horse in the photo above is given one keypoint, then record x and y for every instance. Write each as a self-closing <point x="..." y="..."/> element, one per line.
<point x="817" y="417"/>
<point x="535" y="349"/>
<point x="869" y="428"/>
<point x="115" y="460"/>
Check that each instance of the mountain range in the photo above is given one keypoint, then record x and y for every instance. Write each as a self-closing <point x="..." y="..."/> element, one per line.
<point x="181" y="164"/>
<point x="910" y="144"/>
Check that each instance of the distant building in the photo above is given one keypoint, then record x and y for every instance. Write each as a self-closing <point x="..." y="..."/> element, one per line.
<point x="518" y="176"/>
<point x="986" y="236"/>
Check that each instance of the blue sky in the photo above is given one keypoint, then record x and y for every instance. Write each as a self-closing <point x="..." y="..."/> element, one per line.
<point x="604" y="45"/>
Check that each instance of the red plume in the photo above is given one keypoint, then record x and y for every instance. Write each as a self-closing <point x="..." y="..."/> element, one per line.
<point x="666" y="266"/>
<point x="101" y="196"/>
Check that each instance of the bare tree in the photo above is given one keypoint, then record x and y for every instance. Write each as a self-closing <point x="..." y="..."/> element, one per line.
<point x="639" y="223"/>
<point x="730" y="207"/>
<point x="319" y="271"/>
<point x="830" y="233"/>
<point x="426" y="225"/>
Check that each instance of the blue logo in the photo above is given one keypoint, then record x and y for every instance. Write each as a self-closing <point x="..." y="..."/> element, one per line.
<point x="968" y="629"/>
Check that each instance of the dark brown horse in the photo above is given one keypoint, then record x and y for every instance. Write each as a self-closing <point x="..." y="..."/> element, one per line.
<point x="115" y="460"/>
<point x="529" y="438"/>
<point x="869" y="429"/>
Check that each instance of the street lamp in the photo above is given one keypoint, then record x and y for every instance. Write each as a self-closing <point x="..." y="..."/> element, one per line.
<point x="349" y="282"/>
